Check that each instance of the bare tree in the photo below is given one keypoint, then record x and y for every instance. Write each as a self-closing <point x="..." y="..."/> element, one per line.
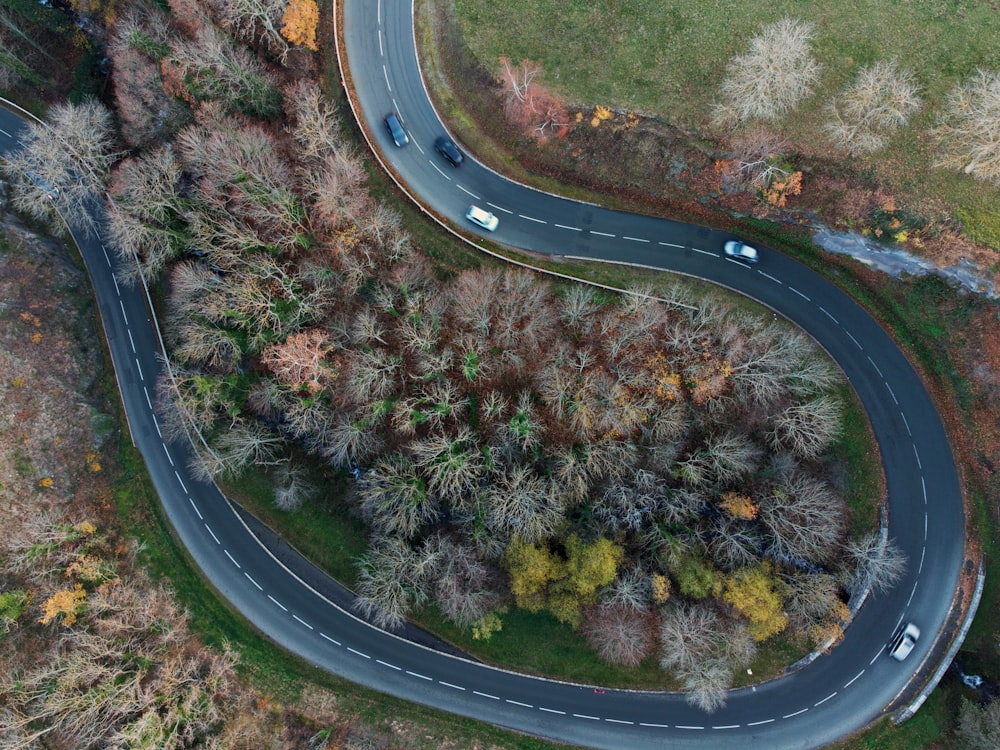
<point x="315" y="129"/>
<point x="147" y="223"/>
<point x="631" y="503"/>
<point x="968" y="136"/>
<point x="734" y="544"/>
<point x="125" y="675"/>
<point x="978" y="726"/>
<point x="251" y="20"/>
<point x="300" y="361"/>
<point x="465" y="588"/>
<point x="472" y="300"/>
<point x="530" y="106"/>
<point x="703" y="651"/>
<point x="453" y="464"/>
<point x="706" y="687"/>
<point x="762" y="159"/>
<point x="63" y="164"/>
<point x="681" y="505"/>
<point x="689" y="635"/>
<point x="373" y="374"/>
<point x="804" y="518"/>
<point x="731" y="456"/>
<point x="242" y="177"/>
<point x="807" y="429"/>
<point x="145" y="110"/>
<point x="392" y="578"/>
<point x="334" y="190"/>
<point x="520" y="504"/>
<point x="394" y="498"/>
<point x="248" y="443"/>
<point x="200" y="343"/>
<point x="877" y="564"/>
<point x="21" y="55"/>
<point x="291" y="487"/>
<point x="881" y="99"/>
<point x="632" y="588"/>
<point x="621" y="635"/>
<point x="209" y="66"/>
<point x="343" y="440"/>
<point x="772" y="77"/>
<point x="810" y="596"/>
<point x="577" y="306"/>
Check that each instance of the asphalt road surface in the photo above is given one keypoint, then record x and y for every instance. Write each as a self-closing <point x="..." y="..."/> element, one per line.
<point x="287" y="600"/>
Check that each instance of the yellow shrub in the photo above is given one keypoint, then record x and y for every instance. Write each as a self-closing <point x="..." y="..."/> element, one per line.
<point x="67" y="602"/>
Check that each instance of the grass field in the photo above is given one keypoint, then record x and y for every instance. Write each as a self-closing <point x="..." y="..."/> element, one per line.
<point x="666" y="60"/>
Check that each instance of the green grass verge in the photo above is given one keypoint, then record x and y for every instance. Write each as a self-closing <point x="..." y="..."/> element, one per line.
<point x="862" y="480"/>
<point x="326" y="533"/>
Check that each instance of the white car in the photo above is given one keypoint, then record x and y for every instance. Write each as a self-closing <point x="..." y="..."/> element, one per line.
<point x="483" y="218"/>
<point x="741" y="251"/>
<point x="903" y="642"/>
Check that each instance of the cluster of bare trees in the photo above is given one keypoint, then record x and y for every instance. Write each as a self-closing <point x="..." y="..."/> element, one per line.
<point x="112" y="666"/>
<point x="779" y="71"/>
<point x="703" y="649"/>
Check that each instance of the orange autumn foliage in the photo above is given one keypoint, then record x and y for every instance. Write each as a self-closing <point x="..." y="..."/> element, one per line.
<point x="67" y="602"/>
<point x="299" y="23"/>
<point x="740" y="506"/>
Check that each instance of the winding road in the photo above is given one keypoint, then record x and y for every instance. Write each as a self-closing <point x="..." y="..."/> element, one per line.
<point x="284" y="597"/>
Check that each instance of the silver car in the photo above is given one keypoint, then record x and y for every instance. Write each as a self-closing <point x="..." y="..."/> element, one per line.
<point x="483" y="218"/>
<point x="903" y="642"/>
<point x="740" y="251"/>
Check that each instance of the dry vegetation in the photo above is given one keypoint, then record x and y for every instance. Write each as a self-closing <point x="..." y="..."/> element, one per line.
<point x="94" y="654"/>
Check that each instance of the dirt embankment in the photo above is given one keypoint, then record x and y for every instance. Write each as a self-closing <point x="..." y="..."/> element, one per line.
<point x="54" y="421"/>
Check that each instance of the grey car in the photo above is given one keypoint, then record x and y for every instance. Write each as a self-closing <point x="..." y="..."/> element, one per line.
<point x="447" y="148"/>
<point x="395" y="128"/>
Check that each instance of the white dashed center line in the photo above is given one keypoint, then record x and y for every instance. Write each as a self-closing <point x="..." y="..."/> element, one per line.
<point x="296" y="617"/>
<point x="854" y="679"/>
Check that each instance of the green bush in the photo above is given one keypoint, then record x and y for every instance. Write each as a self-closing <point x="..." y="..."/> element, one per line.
<point x="981" y="226"/>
